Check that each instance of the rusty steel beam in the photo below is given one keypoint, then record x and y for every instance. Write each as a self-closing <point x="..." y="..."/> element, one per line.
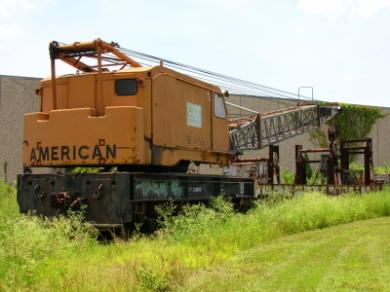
<point x="315" y="150"/>
<point x="263" y="130"/>
<point x="273" y="164"/>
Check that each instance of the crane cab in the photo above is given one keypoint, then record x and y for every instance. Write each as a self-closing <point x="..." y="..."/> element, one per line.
<point x="137" y="116"/>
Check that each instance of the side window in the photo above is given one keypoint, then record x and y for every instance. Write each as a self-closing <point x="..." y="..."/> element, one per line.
<point x="219" y="106"/>
<point x="126" y="86"/>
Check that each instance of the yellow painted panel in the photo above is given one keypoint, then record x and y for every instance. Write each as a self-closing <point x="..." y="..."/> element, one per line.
<point x="81" y="90"/>
<point x="75" y="137"/>
<point x="47" y="99"/>
<point x="181" y="114"/>
<point x="62" y="96"/>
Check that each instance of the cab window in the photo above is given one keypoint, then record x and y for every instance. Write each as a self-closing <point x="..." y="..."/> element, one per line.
<point x="126" y="86"/>
<point x="219" y="106"/>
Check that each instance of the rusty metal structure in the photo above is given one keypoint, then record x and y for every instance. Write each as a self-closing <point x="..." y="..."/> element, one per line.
<point x="273" y="165"/>
<point x="262" y="170"/>
<point x="356" y="147"/>
<point x="328" y="161"/>
<point x="335" y="162"/>
<point x="257" y="130"/>
<point x="264" y="190"/>
<point x="142" y="126"/>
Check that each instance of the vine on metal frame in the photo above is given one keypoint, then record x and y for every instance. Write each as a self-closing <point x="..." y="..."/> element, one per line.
<point x="355" y="121"/>
<point x="351" y="123"/>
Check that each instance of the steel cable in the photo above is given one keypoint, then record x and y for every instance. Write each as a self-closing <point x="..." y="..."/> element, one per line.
<point x="216" y="77"/>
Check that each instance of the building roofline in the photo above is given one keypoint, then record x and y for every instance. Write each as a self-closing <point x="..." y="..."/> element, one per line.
<point x="275" y="98"/>
<point x="22" y="77"/>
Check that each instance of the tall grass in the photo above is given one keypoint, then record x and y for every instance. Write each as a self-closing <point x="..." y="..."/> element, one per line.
<point x="63" y="253"/>
<point x="227" y="232"/>
<point x="27" y="242"/>
<point x="8" y="206"/>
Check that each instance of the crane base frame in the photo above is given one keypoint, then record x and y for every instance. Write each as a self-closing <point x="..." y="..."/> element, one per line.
<point x="113" y="199"/>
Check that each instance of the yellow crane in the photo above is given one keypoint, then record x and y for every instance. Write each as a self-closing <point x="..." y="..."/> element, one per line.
<point x="147" y="122"/>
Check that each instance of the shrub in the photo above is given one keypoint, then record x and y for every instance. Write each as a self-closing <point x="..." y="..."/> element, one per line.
<point x="287" y="176"/>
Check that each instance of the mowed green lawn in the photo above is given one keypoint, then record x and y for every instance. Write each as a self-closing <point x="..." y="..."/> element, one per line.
<point x="353" y="256"/>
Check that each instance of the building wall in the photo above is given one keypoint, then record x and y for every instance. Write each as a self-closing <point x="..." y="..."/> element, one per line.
<point x="380" y="135"/>
<point x="17" y="96"/>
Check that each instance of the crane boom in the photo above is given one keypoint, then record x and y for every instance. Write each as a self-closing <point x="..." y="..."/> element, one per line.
<point x="257" y="131"/>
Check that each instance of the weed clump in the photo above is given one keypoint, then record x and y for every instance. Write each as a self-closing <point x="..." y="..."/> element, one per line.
<point x="151" y="280"/>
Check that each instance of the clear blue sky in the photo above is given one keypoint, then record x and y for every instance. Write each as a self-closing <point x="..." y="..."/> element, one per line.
<point x="341" y="47"/>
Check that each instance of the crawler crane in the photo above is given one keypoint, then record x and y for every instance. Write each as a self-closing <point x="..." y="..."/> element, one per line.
<point x="143" y="125"/>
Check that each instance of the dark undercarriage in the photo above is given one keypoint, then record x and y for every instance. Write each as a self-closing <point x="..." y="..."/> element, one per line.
<point x="117" y="199"/>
